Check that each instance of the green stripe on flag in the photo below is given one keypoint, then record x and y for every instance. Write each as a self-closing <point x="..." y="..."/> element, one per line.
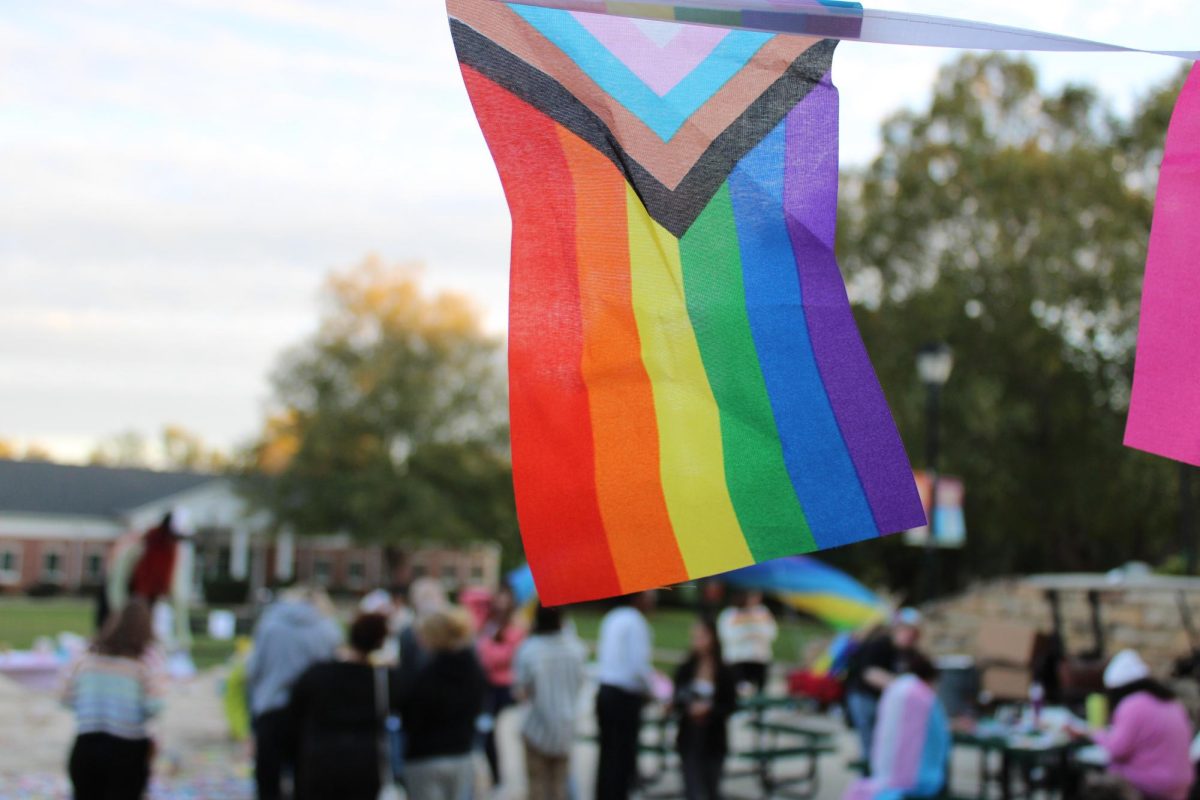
<point x="763" y="496"/>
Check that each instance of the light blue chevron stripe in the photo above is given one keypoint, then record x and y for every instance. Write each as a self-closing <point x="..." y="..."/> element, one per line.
<point x="663" y="115"/>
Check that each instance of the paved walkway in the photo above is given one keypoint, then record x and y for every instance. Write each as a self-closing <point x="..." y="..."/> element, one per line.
<point x="198" y="762"/>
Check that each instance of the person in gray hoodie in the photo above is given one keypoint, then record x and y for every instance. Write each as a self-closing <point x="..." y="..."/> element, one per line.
<point x="292" y="635"/>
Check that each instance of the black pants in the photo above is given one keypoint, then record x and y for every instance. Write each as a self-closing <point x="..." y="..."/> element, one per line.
<point x="619" y="715"/>
<point x="751" y="672"/>
<point x="497" y="699"/>
<point x="104" y="767"/>
<point x="273" y="746"/>
<point x="702" y="770"/>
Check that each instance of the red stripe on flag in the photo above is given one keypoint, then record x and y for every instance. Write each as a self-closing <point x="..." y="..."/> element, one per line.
<point x="553" y="455"/>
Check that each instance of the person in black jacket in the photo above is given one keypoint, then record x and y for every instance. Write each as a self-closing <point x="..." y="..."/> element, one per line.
<point x="439" y="705"/>
<point x="705" y="698"/>
<point x="337" y="721"/>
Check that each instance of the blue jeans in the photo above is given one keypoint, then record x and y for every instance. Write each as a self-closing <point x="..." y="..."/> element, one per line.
<point x="395" y="732"/>
<point x="863" y="708"/>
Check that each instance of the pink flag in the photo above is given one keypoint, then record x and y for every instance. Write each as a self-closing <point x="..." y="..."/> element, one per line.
<point x="1164" y="415"/>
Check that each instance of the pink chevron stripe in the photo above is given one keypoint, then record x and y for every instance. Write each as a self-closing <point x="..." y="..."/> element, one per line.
<point x="660" y="57"/>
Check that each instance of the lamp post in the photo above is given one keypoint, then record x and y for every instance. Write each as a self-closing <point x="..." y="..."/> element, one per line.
<point x="935" y="361"/>
<point x="1187" y="518"/>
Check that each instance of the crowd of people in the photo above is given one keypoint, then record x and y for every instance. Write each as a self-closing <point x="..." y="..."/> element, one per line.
<point x="409" y="692"/>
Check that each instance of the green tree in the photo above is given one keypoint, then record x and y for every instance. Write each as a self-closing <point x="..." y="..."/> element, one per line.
<point x="184" y="450"/>
<point x="1013" y="225"/>
<point x="390" y="422"/>
<point x="125" y="449"/>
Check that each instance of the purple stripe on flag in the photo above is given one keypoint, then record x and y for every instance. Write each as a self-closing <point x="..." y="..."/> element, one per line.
<point x="862" y="413"/>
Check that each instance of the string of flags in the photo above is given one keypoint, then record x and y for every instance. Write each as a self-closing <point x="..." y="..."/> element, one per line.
<point x="689" y="393"/>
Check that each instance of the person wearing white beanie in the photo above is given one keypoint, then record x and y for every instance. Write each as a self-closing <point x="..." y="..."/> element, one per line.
<point x="1150" y="735"/>
<point x="1126" y="667"/>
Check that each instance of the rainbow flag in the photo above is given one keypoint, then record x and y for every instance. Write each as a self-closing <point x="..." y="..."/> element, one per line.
<point x="814" y="588"/>
<point x="689" y="393"/>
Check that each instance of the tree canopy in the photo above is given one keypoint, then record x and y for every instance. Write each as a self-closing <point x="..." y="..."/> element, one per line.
<point x="1012" y="224"/>
<point x="389" y="423"/>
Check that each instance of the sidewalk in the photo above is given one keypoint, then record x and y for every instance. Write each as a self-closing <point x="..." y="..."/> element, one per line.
<point x="196" y="759"/>
<point x="198" y="762"/>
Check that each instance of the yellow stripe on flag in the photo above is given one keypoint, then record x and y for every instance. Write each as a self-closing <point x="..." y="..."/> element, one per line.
<point x="689" y="426"/>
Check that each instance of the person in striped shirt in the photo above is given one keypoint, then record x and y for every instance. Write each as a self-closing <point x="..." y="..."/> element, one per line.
<point x="115" y="689"/>
<point x="549" y="676"/>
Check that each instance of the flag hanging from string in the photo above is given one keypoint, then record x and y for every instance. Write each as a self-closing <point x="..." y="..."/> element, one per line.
<point x="689" y="393"/>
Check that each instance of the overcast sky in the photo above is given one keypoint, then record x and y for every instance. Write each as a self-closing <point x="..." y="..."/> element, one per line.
<point x="177" y="176"/>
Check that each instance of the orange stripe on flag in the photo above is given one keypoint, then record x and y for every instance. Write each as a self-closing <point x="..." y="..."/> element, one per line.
<point x="624" y="425"/>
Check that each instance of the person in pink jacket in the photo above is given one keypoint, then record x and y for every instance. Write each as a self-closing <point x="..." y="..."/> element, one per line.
<point x="499" y="637"/>
<point x="1148" y="740"/>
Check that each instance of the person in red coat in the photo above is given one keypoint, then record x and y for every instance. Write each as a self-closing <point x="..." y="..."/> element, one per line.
<point x="154" y="565"/>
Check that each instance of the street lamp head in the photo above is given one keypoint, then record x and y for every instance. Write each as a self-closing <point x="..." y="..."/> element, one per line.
<point x="934" y="363"/>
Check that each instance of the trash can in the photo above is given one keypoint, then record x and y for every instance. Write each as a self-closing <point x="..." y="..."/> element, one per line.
<point x="958" y="684"/>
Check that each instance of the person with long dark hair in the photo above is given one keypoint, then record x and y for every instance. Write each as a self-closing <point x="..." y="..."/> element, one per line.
<point x="114" y="690"/>
<point x="1148" y="740"/>
<point x="499" y="637"/>
<point x="338" y="710"/>
<point x="705" y="698"/>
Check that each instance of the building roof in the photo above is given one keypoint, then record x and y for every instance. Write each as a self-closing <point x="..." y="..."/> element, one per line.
<point x="43" y="488"/>
<point x="1115" y="581"/>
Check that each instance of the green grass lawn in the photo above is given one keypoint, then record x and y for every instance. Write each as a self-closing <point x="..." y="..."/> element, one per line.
<point x="22" y="621"/>
<point x="672" y="631"/>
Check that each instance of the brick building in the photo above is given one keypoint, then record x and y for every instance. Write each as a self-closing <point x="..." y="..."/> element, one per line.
<point x="58" y="523"/>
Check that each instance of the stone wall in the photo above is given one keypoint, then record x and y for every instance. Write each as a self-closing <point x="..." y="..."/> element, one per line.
<point x="1146" y="620"/>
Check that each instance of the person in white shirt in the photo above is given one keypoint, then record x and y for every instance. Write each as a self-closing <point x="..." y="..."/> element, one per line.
<point x="549" y="675"/>
<point x="748" y="633"/>
<point x="625" y="674"/>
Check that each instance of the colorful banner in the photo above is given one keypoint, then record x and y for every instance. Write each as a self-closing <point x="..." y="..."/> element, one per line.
<point x="688" y="390"/>
<point x="947" y="516"/>
<point x="850" y="21"/>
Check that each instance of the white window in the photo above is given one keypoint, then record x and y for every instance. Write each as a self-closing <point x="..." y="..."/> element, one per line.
<point x="10" y="564"/>
<point x="52" y="566"/>
<point x="356" y="573"/>
<point x="93" y="568"/>
<point x="322" y="571"/>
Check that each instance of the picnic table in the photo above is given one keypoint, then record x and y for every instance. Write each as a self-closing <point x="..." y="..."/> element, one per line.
<point x="1043" y="759"/>
<point x="775" y="738"/>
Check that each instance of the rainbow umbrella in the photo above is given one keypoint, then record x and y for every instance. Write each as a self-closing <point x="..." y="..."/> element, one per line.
<point x="813" y="588"/>
<point x="803" y="583"/>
